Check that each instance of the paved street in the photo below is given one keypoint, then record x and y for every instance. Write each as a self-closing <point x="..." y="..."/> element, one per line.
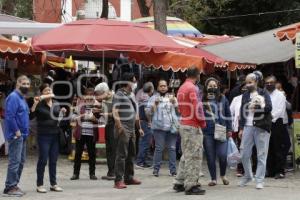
<point x="152" y="187"/>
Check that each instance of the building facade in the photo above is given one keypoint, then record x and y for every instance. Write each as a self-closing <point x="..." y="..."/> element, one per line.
<point x="50" y="11"/>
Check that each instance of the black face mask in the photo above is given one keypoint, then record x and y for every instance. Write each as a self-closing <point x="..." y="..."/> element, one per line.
<point x="250" y="88"/>
<point x="212" y="90"/>
<point x="270" y="87"/>
<point x="24" y="90"/>
<point x="162" y="93"/>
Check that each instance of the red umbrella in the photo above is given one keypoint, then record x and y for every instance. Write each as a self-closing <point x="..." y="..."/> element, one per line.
<point x="288" y="33"/>
<point x="88" y="37"/>
<point x="178" y="61"/>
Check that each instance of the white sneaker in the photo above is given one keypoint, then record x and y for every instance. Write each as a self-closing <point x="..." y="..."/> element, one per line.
<point x="259" y="186"/>
<point x="41" y="189"/>
<point x="56" y="188"/>
<point x="245" y="181"/>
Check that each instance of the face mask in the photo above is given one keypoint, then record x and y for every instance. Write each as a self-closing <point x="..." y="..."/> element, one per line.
<point x="24" y="90"/>
<point x="212" y="90"/>
<point x="133" y="87"/>
<point x="270" y="87"/>
<point x="250" y="88"/>
<point x="294" y="81"/>
<point x="162" y="93"/>
<point x="211" y="96"/>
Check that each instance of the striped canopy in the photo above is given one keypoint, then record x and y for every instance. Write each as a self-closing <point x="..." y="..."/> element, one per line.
<point x="175" y="26"/>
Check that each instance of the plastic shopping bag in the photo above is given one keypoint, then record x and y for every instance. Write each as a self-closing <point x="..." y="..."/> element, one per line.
<point x="2" y="139"/>
<point x="233" y="154"/>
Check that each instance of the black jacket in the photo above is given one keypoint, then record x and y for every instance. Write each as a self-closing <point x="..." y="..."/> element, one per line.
<point x="47" y="118"/>
<point x="262" y="117"/>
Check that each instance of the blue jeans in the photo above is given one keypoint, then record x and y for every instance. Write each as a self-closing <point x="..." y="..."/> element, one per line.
<point x="163" y="138"/>
<point x="253" y="135"/>
<point x="144" y="144"/>
<point x="213" y="149"/>
<point x="48" y="145"/>
<point x="16" y="160"/>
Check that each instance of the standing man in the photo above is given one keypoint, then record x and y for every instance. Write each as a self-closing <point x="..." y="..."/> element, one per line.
<point x="126" y="119"/>
<point x="145" y="141"/>
<point x="104" y="96"/>
<point x="276" y="155"/>
<point x="16" y="132"/>
<point x="192" y="120"/>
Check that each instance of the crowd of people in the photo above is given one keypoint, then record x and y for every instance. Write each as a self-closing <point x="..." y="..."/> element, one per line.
<point x="202" y="117"/>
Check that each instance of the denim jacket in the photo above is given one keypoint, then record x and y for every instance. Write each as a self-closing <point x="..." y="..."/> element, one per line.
<point x="222" y="116"/>
<point x="163" y="116"/>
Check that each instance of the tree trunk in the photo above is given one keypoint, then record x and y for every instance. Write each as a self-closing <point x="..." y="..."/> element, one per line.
<point x="104" y="13"/>
<point x="144" y="8"/>
<point x="160" y="15"/>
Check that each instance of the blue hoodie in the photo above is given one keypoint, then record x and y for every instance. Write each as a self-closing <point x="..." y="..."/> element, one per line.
<point x="16" y="116"/>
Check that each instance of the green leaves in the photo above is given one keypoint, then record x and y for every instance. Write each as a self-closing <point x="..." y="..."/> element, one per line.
<point x="223" y="16"/>
<point x="19" y="8"/>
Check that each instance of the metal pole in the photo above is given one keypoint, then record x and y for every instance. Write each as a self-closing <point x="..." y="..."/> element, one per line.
<point x="103" y="62"/>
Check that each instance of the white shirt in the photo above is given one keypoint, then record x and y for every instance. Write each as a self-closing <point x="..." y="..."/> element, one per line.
<point x="250" y="116"/>
<point x="235" y="112"/>
<point x="278" y="105"/>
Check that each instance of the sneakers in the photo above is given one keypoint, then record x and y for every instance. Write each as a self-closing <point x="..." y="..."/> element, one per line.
<point x="93" y="177"/>
<point x="41" y="189"/>
<point x="74" y="177"/>
<point x="279" y="176"/>
<point x="56" y="188"/>
<point x="120" y="185"/>
<point x="178" y="188"/>
<point x="13" y="192"/>
<point x="196" y="190"/>
<point x="259" y="186"/>
<point x="173" y="174"/>
<point x="21" y="190"/>
<point x="245" y="181"/>
<point x="143" y="166"/>
<point x="109" y="178"/>
<point x="201" y="174"/>
<point x="155" y="173"/>
<point x="133" y="182"/>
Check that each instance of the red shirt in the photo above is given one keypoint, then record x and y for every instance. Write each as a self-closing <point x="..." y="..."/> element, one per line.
<point x="190" y="105"/>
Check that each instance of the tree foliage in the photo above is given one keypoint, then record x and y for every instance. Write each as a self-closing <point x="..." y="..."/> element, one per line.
<point x="198" y="13"/>
<point x="19" y="8"/>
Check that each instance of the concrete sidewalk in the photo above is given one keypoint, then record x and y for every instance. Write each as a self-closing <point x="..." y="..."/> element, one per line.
<point x="152" y="188"/>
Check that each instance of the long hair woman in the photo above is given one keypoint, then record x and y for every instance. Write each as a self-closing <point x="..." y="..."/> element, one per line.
<point x="217" y="114"/>
<point x="47" y="112"/>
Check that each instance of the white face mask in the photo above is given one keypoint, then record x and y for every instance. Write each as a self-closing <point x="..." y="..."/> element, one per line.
<point x="133" y="87"/>
<point x="294" y="81"/>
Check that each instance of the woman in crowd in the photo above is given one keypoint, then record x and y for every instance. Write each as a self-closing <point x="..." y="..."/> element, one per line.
<point x="235" y="108"/>
<point x="86" y="133"/>
<point x="46" y="113"/>
<point x="255" y="125"/>
<point x="162" y="107"/>
<point x="217" y="114"/>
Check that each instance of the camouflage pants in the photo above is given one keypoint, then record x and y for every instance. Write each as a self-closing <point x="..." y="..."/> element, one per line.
<point x="191" y="159"/>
